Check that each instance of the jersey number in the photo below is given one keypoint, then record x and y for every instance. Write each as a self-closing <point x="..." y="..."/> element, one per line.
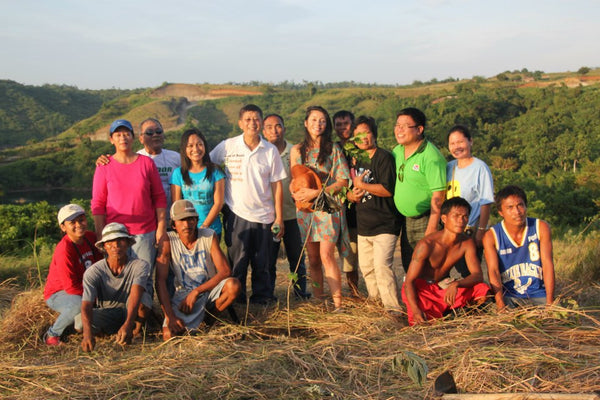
<point x="534" y="251"/>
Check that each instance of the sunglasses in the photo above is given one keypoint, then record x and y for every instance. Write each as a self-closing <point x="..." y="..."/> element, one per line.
<point x="401" y="173"/>
<point x="151" y="132"/>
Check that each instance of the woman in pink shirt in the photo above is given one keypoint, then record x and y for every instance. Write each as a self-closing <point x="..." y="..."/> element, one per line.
<point x="128" y="190"/>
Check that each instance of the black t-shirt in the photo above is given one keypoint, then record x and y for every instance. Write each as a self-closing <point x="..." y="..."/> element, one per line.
<point x="377" y="215"/>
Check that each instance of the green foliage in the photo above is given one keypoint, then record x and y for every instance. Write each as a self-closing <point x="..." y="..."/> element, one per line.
<point x="21" y="224"/>
<point x="413" y="365"/>
<point x="583" y="70"/>
<point x="354" y="152"/>
<point x="32" y="113"/>
<point x="545" y="139"/>
<point x="73" y="167"/>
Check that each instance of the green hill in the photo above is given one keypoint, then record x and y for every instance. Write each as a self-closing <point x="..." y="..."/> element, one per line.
<point x="541" y="131"/>
<point x="33" y="113"/>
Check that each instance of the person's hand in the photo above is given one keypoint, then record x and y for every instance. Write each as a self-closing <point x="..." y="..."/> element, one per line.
<point x="357" y="180"/>
<point x="450" y="295"/>
<point x="305" y="195"/>
<point x="161" y="236"/>
<point x="359" y="193"/>
<point x="479" y="238"/>
<point x="124" y="335"/>
<point x="281" y="224"/>
<point x="501" y="307"/>
<point x="102" y="160"/>
<point x="419" y="318"/>
<point x="88" y="343"/>
<point x="175" y="325"/>
<point x="187" y="304"/>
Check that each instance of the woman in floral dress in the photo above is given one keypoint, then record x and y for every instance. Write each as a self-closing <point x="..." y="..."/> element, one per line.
<point x="319" y="153"/>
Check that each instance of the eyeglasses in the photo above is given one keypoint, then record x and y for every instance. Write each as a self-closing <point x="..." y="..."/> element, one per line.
<point x="401" y="173"/>
<point x="403" y="127"/>
<point x="151" y="132"/>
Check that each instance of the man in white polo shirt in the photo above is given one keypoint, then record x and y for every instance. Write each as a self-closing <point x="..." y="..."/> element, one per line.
<point x="253" y="202"/>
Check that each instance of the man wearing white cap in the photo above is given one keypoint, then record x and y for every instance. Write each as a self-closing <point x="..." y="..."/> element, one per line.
<point x="117" y="285"/>
<point x="73" y="254"/>
<point x="202" y="273"/>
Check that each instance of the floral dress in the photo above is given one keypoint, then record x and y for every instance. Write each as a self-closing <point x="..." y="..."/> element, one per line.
<point x="321" y="226"/>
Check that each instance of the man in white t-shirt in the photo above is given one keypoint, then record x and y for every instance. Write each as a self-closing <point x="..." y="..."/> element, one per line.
<point x="152" y="137"/>
<point x="253" y="202"/>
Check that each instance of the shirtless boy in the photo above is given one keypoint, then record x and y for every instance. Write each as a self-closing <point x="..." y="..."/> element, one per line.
<point x="427" y="291"/>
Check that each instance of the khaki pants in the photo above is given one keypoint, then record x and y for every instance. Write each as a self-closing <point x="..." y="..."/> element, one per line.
<point x="375" y="257"/>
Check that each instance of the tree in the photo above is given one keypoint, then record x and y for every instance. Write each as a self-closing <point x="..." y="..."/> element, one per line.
<point x="583" y="70"/>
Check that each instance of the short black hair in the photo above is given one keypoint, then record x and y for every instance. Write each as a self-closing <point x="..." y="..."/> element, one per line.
<point x="369" y="121"/>
<point x="462" y="129"/>
<point x="417" y="115"/>
<point x="250" y="108"/>
<point x="276" y="116"/>
<point x="343" y="114"/>
<point x="453" y="202"/>
<point x="507" y="191"/>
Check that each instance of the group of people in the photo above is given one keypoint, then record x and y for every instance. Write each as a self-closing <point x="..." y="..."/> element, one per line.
<point x="259" y="190"/>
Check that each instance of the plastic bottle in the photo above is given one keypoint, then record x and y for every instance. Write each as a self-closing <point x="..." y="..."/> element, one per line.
<point x="275" y="229"/>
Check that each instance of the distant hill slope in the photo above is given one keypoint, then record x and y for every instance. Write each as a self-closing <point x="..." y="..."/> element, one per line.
<point x="34" y="113"/>
<point x="541" y="131"/>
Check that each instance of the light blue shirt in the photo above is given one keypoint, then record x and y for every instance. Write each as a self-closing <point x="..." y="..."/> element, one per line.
<point x="473" y="183"/>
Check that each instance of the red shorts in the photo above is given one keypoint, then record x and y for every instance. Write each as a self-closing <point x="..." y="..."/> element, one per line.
<point x="430" y="298"/>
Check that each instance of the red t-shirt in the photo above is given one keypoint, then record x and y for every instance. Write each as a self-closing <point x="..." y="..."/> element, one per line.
<point x="69" y="262"/>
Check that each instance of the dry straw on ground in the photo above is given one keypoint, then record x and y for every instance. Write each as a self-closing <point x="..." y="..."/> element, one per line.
<point x="327" y="355"/>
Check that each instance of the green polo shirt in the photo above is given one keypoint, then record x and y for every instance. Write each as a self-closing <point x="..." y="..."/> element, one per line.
<point x="423" y="173"/>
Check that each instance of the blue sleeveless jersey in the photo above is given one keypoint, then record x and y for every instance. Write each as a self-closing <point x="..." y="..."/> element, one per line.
<point x="520" y="263"/>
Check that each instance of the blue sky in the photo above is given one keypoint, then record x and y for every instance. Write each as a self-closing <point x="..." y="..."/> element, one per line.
<point x="129" y="44"/>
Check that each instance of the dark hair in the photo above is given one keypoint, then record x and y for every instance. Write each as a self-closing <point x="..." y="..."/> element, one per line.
<point x="417" y="115"/>
<point x="343" y="114"/>
<point x="173" y="224"/>
<point x="453" y="202"/>
<point x="369" y="121"/>
<point x="186" y="163"/>
<point x="462" y="129"/>
<point x="250" y="108"/>
<point x="276" y="116"/>
<point x="507" y="191"/>
<point x="326" y="142"/>
<point x="157" y="122"/>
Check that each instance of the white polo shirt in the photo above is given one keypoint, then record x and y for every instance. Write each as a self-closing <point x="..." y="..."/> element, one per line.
<point x="249" y="176"/>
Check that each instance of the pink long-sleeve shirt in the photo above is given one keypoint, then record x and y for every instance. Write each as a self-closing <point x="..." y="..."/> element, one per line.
<point x="129" y="194"/>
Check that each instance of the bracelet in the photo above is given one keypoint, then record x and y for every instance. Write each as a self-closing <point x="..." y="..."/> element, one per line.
<point x="481" y="229"/>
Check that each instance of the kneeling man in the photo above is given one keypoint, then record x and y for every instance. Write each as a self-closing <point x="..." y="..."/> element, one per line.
<point x="201" y="272"/>
<point x="116" y="285"/>
<point x="518" y="253"/>
<point x="428" y="292"/>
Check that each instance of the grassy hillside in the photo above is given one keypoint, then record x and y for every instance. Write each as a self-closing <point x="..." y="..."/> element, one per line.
<point x="541" y="131"/>
<point x="29" y="114"/>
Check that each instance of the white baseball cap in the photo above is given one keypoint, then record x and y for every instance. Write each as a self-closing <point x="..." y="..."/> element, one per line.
<point x="69" y="213"/>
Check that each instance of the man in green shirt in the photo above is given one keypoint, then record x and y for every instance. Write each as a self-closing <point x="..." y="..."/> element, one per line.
<point x="420" y="188"/>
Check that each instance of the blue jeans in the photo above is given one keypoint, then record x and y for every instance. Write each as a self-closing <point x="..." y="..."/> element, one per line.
<point x="144" y="250"/>
<point x="68" y="305"/>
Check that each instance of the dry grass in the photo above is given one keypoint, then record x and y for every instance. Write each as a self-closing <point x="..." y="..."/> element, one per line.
<point x="342" y="356"/>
